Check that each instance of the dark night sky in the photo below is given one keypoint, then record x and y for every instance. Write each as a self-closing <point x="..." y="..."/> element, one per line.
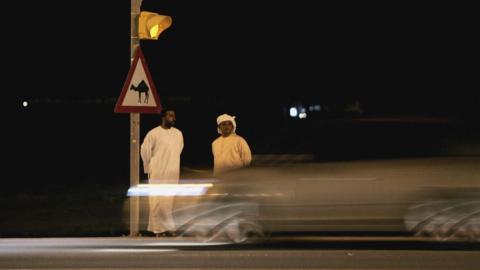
<point x="377" y="53"/>
<point x="252" y="59"/>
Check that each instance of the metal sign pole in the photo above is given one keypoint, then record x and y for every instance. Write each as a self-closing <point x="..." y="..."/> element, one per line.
<point x="134" y="127"/>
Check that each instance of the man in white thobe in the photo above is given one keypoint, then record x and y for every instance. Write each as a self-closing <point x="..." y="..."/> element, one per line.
<point x="160" y="153"/>
<point x="230" y="151"/>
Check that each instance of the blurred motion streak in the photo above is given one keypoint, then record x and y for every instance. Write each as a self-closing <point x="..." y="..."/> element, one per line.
<point x="168" y="189"/>
<point x="434" y="197"/>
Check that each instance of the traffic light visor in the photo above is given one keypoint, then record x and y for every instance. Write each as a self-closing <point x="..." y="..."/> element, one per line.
<point x="151" y="25"/>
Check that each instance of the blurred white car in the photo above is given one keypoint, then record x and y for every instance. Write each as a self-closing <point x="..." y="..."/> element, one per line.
<point x="438" y="197"/>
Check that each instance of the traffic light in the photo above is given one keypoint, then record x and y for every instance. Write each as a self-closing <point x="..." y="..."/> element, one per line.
<point x="151" y="25"/>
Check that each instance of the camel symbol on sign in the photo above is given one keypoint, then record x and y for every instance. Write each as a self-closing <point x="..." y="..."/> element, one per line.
<point x="142" y="87"/>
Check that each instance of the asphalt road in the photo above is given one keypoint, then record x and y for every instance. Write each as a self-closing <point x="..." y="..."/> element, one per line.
<point x="280" y="253"/>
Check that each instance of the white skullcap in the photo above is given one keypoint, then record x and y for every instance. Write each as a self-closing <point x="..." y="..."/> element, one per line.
<point x="225" y="117"/>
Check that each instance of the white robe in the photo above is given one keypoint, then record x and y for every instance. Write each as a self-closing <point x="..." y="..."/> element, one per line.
<point x="160" y="153"/>
<point x="230" y="153"/>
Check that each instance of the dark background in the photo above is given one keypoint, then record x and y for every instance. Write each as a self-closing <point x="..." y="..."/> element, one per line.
<point x="392" y="80"/>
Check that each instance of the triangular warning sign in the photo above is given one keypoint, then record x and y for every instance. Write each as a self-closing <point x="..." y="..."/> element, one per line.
<point x="139" y="94"/>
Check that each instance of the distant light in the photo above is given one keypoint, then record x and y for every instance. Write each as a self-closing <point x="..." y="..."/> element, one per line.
<point x="293" y="112"/>
<point x="315" y="108"/>
<point x="25" y="103"/>
<point x="302" y="115"/>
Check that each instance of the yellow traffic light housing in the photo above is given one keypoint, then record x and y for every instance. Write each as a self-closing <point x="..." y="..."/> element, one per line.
<point x="151" y="25"/>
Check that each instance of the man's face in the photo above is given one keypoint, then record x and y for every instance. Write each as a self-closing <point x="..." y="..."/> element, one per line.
<point x="170" y="118"/>
<point x="226" y="127"/>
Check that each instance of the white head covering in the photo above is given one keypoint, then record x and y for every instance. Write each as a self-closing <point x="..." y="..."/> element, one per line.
<point x="225" y="117"/>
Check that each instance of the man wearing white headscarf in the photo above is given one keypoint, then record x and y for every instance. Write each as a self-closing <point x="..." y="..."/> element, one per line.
<point x="230" y="151"/>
